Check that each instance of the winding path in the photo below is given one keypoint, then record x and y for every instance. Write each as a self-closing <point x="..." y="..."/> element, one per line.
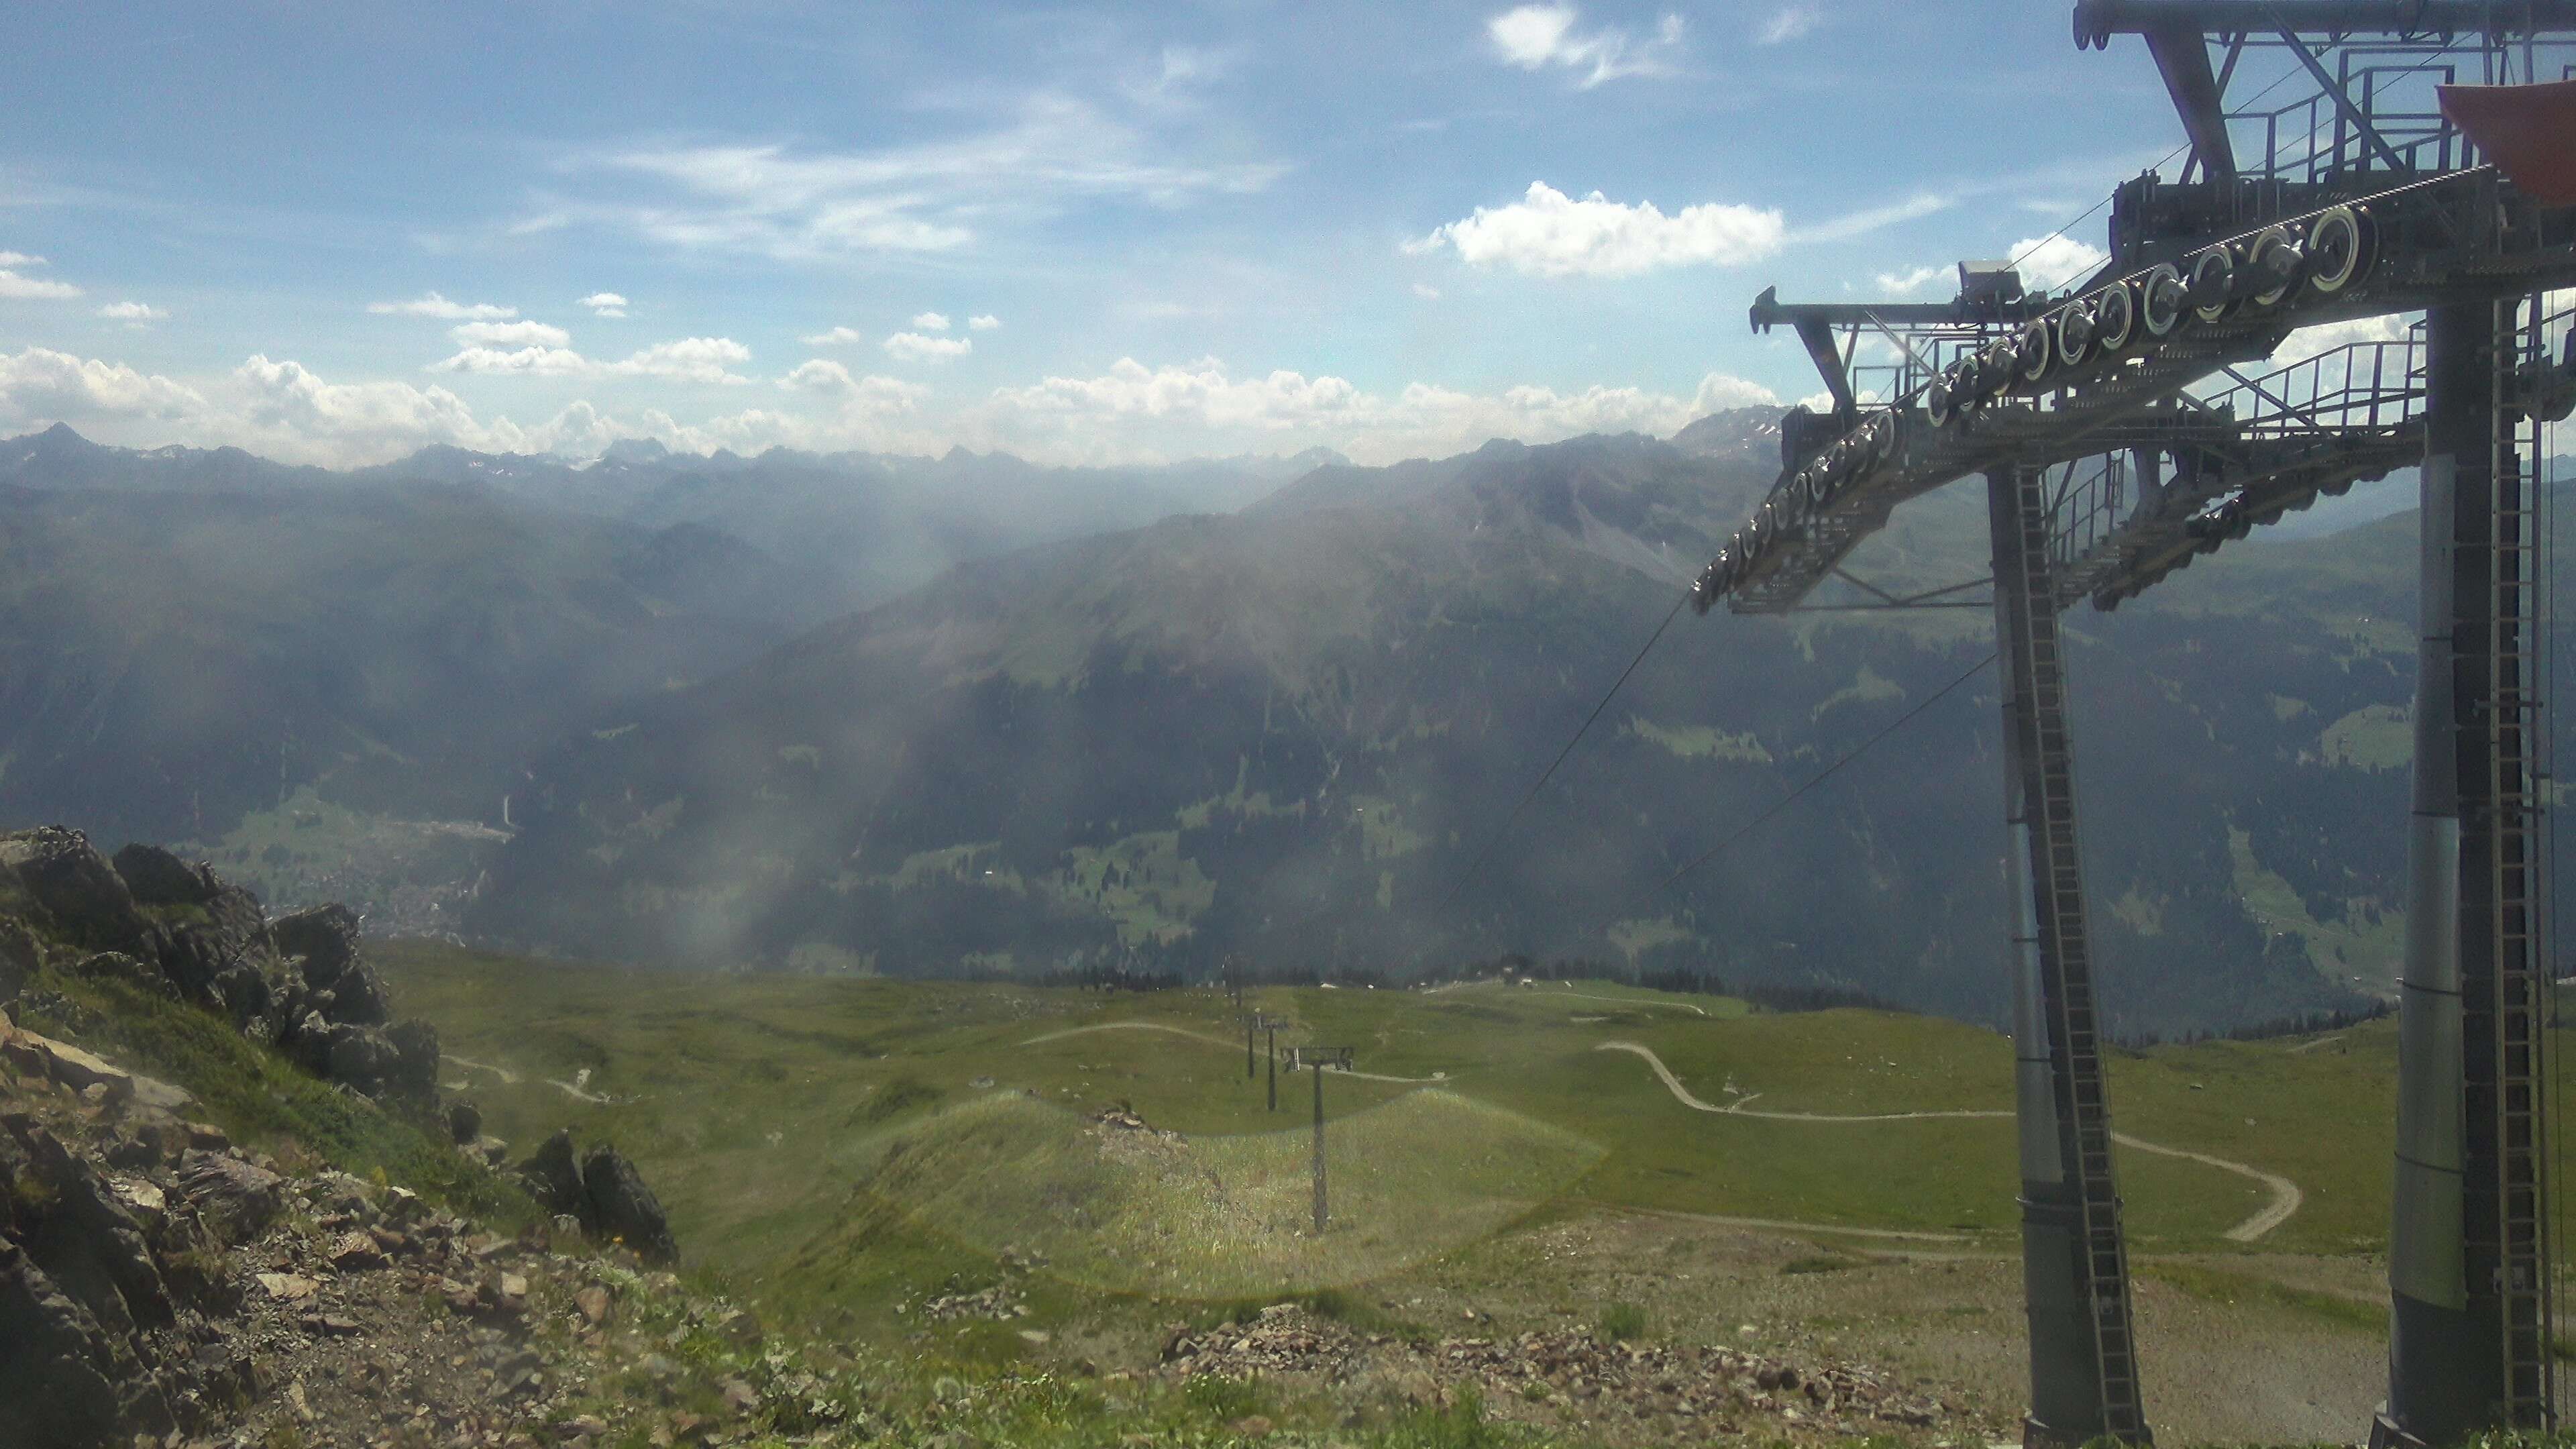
<point x="1229" y="1045"/>
<point x="2286" y="1196"/>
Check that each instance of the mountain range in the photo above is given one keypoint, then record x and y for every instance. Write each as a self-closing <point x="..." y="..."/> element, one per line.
<point x="921" y="716"/>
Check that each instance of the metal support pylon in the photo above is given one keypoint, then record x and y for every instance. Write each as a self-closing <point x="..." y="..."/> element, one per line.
<point x="2083" y="1353"/>
<point x="2469" y="1255"/>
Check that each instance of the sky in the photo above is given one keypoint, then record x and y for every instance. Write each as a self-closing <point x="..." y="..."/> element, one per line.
<point x="336" y="232"/>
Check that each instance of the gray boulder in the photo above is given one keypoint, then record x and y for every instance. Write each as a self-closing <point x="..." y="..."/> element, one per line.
<point x="56" y="1365"/>
<point x="118" y="966"/>
<point x="415" y="1070"/>
<point x="82" y="894"/>
<point x="618" y="1207"/>
<point x="553" y="1176"/>
<point x="79" y="1291"/>
<point x="238" y="1201"/>
<point x="464" y="1122"/>
<point x="361" y="1056"/>
<point x="337" y="983"/>
<point x="158" y="878"/>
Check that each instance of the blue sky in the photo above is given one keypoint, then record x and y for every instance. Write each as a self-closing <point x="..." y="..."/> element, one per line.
<point x="339" y="231"/>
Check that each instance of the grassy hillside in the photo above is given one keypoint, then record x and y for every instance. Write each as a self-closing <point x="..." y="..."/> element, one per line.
<point x="851" y="1150"/>
<point x="763" y="1104"/>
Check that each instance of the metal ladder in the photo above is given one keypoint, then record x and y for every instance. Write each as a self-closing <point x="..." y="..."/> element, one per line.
<point x="2508" y="1023"/>
<point x="2084" y="1124"/>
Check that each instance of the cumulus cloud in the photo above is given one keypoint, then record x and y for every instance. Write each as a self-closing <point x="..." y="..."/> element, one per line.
<point x="826" y="378"/>
<point x="983" y="322"/>
<point x="1911" y="280"/>
<point x="2307" y="342"/>
<point x="837" y="337"/>
<point x="509" y="334"/>
<point x="1534" y="37"/>
<point x="1787" y="24"/>
<point x="603" y="304"/>
<point x="133" y="314"/>
<point x="281" y="409"/>
<point x="16" y="284"/>
<point x="2057" y="261"/>
<point x="1203" y="402"/>
<point x="430" y="304"/>
<point x="930" y="321"/>
<point x="41" y="385"/>
<point x="690" y="359"/>
<point x="1551" y="234"/>
<point x="914" y="347"/>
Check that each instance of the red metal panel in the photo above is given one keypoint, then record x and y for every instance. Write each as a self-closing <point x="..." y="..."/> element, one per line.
<point x="2529" y="132"/>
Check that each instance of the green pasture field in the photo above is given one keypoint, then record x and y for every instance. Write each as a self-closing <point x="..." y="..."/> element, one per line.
<point x="759" y="1104"/>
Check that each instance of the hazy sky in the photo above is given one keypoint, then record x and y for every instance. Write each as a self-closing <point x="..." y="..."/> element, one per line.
<point x="341" y="230"/>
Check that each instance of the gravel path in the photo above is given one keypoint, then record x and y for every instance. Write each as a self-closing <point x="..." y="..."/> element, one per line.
<point x="2286" y="1195"/>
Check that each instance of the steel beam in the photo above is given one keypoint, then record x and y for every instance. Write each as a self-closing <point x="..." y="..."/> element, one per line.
<point x="2096" y="21"/>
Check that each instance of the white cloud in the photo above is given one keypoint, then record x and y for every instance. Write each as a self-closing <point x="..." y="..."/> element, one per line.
<point x="1536" y="36"/>
<point x="1551" y="234"/>
<point x="2309" y="342"/>
<point x="837" y="337"/>
<point x="1426" y="291"/>
<point x="2052" y="262"/>
<point x="133" y="314"/>
<point x="913" y="347"/>
<point x="17" y="285"/>
<point x="690" y="359"/>
<point x="1911" y="280"/>
<point x="603" y="304"/>
<point x="509" y="334"/>
<point x="824" y="377"/>
<point x="1206" y="406"/>
<point x="983" y="322"/>
<point x="523" y="362"/>
<point x="19" y="259"/>
<point x="430" y="304"/>
<point x="39" y="385"/>
<point x="282" y="409"/>
<point x="1875" y="218"/>
<point x="1787" y="24"/>
<point x="931" y="321"/>
<point x="928" y="196"/>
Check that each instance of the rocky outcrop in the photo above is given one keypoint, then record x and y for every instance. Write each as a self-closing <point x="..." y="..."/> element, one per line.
<point x="617" y="1207"/>
<point x="81" y="895"/>
<point x="602" y="1191"/>
<point x="79" y="1294"/>
<point x="155" y="877"/>
<point x="553" y="1176"/>
<point x="337" y="982"/>
<point x="173" y="927"/>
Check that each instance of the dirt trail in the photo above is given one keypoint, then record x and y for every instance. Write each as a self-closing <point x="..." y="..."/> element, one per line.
<point x="1213" y="1041"/>
<point x="2286" y="1195"/>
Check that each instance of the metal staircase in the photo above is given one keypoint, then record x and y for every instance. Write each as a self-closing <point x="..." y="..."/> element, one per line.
<point x="2075" y="1067"/>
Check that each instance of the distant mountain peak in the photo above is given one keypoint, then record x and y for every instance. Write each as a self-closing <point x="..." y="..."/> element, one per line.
<point x="635" y="450"/>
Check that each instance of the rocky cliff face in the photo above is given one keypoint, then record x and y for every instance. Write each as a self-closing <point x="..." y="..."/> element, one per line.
<point x="158" y="1280"/>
